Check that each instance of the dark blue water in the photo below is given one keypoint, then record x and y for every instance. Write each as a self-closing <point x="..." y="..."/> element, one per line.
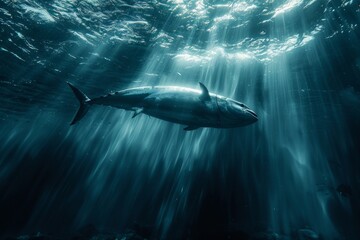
<point x="295" y="174"/>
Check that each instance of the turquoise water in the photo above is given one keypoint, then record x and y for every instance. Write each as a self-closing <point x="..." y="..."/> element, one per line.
<point x="292" y="175"/>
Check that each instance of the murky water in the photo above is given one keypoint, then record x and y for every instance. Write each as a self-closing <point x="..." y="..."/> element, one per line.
<point x="295" y="174"/>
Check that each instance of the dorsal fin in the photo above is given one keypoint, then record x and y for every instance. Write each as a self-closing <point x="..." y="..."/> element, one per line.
<point x="205" y="96"/>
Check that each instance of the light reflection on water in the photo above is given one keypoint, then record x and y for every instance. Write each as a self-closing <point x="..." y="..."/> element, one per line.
<point x="144" y="168"/>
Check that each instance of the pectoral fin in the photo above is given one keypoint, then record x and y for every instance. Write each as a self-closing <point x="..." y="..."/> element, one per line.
<point x="137" y="112"/>
<point x="189" y="128"/>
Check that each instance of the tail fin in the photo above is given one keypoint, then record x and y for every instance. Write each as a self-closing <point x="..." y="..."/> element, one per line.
<point x="84" y="105"/>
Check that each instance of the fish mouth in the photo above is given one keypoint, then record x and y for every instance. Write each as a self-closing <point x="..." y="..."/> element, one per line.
<point x="253" y="114"/>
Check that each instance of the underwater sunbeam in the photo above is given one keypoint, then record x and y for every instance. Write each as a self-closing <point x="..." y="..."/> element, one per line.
<point x="291" y="173"/>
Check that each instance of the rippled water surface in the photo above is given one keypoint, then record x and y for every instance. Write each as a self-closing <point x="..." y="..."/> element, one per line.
<point x="295" y="174"/>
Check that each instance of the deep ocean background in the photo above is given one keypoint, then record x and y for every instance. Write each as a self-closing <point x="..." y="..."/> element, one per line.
<point x="295" y="174"/>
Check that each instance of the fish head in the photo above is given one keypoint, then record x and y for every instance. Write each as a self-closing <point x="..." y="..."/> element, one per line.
<point x="235" y="114"/>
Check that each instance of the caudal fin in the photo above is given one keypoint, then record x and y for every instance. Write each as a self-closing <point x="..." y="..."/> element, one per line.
<point x="84" y="105"/>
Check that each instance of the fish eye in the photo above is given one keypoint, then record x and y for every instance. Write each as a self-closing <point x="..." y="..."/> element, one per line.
<point x="241" y="104"/>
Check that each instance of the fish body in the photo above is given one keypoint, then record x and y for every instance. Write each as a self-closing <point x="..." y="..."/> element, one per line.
<point x="191" y="107"/>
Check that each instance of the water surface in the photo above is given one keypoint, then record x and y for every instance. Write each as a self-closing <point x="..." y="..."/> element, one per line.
<point x="295" y="62"/>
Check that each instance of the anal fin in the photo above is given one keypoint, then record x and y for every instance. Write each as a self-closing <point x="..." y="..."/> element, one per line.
<point x="189" y="128"/>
